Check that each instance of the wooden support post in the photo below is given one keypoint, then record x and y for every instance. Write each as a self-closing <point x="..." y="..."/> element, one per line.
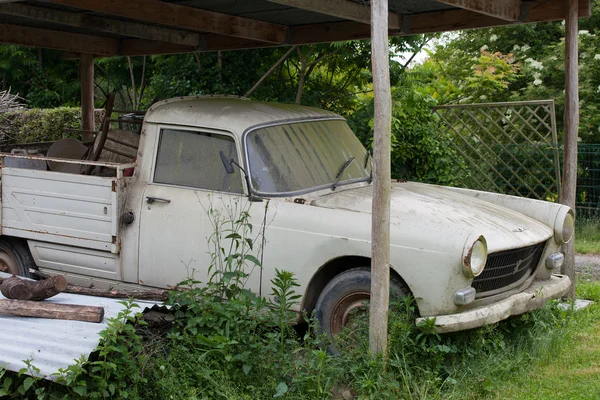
<point x="569" y="184"/>
<point x="86" y="76"/>
<point x="380" y="230"/>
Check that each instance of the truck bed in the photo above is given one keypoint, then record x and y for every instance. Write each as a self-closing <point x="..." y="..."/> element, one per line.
<point x="70" y="209"/>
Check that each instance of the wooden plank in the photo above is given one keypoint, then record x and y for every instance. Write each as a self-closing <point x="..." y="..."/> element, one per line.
<point x="86" y="77"/>
<point x="159" y="12"/>
<point x="343" y="9"/>
<point x="380" y="228"/>
<point x="73" y="312"/>
<point x="508" y="10"/>
<point x="51" y="39"/>
<point x="108" y="25"/>
<point x="571" y="124"/>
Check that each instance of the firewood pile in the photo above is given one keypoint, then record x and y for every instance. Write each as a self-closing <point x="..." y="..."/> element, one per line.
<point x="26" y="297"/>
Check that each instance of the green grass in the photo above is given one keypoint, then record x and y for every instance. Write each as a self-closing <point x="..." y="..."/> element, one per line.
<point x="573" y="372"/>
<point x="233" y="350"/>
<point x="587" y="236"/>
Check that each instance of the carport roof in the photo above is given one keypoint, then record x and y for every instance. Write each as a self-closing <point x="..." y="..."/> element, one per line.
<point x="141" y="27"/>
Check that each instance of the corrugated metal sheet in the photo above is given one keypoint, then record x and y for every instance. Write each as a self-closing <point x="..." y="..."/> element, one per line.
<point x="53" y="344"/>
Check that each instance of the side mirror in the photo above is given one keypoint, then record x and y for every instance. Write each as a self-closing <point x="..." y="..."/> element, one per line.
<point x="226" y="163"/>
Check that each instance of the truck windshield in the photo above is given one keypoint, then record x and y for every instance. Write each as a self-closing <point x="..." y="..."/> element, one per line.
<point x="305" y="156"/>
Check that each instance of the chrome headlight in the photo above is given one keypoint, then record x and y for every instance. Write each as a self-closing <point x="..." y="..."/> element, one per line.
<point x="564" y="227"/>
<point x="474" y="257"/>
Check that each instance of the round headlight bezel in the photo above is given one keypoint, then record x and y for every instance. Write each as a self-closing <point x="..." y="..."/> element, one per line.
<point x="475" y="257"/>
<point x="564" y="227"/>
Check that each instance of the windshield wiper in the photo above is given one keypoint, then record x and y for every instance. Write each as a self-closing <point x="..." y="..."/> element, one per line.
<point x="342" y="170"/>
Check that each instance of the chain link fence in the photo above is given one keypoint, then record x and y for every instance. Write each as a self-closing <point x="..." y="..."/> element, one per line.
<point x="588" y="180"/>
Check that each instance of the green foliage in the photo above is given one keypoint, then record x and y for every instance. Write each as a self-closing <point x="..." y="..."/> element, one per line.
<point x="451" y="75"/>
<point x="419" y="151"/>
<point x="538" y="52"/>
<point x="37" y="125"/>
<point x="587" y="235"/>
<point x="39" y="76"/>
<point x="231" y="349"/>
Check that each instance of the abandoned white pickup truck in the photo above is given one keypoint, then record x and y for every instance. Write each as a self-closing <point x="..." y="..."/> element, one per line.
<point x="469" y="258"/>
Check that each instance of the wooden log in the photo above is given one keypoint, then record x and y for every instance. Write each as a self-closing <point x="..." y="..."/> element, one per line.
<point x="71" y="312"/>
<point x="21" y="289"/>
<point x="571" y="121"/>
<point x="140" y="294"/>
<point x="380" y="229"/>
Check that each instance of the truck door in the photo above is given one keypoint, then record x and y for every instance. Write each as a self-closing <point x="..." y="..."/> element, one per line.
<point x="188" y="188"/>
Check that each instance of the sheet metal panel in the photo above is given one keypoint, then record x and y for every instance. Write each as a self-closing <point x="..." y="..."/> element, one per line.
<point x="58" y="207"/>
<point x="54" y="344"/>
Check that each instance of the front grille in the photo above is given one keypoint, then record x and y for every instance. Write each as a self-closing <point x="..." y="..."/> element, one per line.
<point x="507" y="267"/>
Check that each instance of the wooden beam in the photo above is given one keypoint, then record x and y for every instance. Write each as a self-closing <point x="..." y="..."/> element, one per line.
<point x="342" y="9"/>
<point x="108" y="25"/>
<point x="438" y="21"/>
<point x="140" y="47"/>
<point x="536" y="11"/>
<point x="86" y="77"/>
<point x="75" y="42"/>
<point x="380" y="227"/>
<point x="571" y="121"/>
<point x="163" y="13"/>
<point x="508" y="10"/>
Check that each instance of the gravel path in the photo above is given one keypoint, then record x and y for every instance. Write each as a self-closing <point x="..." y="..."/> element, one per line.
<point x="588" y="265"/>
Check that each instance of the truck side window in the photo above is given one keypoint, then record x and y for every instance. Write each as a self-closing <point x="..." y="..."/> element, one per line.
<point x="191" y="159"/>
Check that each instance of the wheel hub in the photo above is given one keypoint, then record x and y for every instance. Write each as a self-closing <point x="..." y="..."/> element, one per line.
<point x="8" y="263"/>
<point x="346" y="308"/>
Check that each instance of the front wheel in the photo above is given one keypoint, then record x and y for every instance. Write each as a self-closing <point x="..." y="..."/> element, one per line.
<point x="15" y="258"/>
<point x="347" y="294"/>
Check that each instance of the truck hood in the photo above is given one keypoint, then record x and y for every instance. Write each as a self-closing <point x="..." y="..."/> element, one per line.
<point x="435" y="214"/>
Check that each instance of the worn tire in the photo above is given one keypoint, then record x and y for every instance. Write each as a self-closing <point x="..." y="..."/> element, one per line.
<point x="15" y="257"/>
<point x="346" y="292"/>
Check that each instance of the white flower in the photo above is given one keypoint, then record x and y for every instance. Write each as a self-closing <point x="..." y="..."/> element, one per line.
<point x="493" y="38"/>
<point x="525" y="47"/>
<point x="534" y="64"/>
<point x="584" y="55"/>
<point x="597" y="57"/>
<point x="516" y="47"/>
<point x="483" y="97"/>
<point x="598" y="90"/>
<point x="484" y="47"/>
<point x="584" y="32"/>
<point x="537" y="82"/>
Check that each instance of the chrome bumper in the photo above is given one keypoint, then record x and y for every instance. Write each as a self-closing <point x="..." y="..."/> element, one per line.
<point x="530" y="299"/>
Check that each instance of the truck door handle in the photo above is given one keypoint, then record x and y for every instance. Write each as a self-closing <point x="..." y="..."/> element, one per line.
<point x="152" y="199"/>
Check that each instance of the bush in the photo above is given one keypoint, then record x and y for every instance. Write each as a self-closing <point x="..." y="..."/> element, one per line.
<point x="419" y="149"/>
<point x="38" y="125"/>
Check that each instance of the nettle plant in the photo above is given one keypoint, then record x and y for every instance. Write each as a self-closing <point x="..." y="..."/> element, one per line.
<point x="221" y="315"/>
<point x="234" y="246"/>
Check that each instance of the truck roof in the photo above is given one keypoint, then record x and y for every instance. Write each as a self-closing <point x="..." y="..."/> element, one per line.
<point x="233" y="114"/>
